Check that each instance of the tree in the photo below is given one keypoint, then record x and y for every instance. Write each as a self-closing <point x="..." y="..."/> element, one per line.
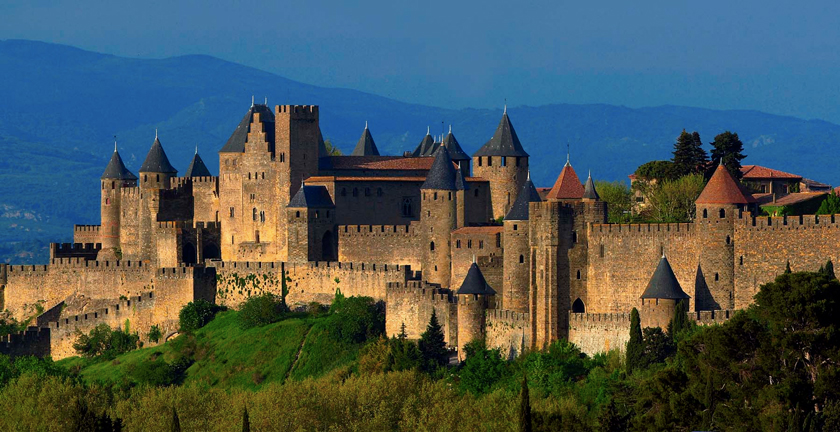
<point x="728" y="146"/>
<point x="176" y="423"/>
<point x="619" y="199"/>
<point x="828" y="269"/>
<point x="657" y="346"/>
<point x="103" y="342"/>
<point x="246" y="424"/>
<point x="830" y="205"/>
<point x="657" y="170"/>
<point x="525" y="407"/>
<point x="332" y="150"/>
<point x="680" y="320"/>
<point x="196" y="314"/>
<point x="673" y="200"/>
<point x="261" y="310"/>
<point x="635" y="346"/>
<point x="432" y="345"/>
<point x="483" y="367"/>
<point x="609" y="418"/>
<point x="403" y="335"/>
<point x="689" y="156"/>
<point x="154" y="333"/>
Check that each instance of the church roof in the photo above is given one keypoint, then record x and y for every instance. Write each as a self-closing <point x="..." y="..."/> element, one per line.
<point x="567" y="186"/>
<point x="475" y="283"/>
<point x="455" y="150"/>
<point x="197" y="168"/>
<point x="116" y="168"/>
<point x="156" y="160"/>
<point x="723" y="189"/>
<point x="442" y="173"/>
<point x="504" y="141"/>
<point x="520" y="208"/>
<point x="589" y="191"/>
<point x="426" y="146"/>
<point x="365" y="146"/>
<point x="311" y="197"/>
<point x="236" y="142"/>
<point x="664" y="284"/>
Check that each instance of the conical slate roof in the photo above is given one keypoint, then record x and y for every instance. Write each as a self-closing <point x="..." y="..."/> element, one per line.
<point x="567" y="186"/>
<point x="365" y="146"/>
<point x="520" y="208"/>
<point x="589" y="191"/>
<point x="116" y="169"/>
<point x="426" y="146"/>
<point x="236" y="142"/>
<point x="455" y="150"/>
<point x="460" y="181"/>
<point x="475" y="283"/>
<point x="723" y="189"/>
<point x="664" y="284"/>
<point x="504" y="141"/>
<point x="197" y="168"/>
<point x="156" y="161"/>
<point x="311" y="197"/>
<point x="442" y="173"/>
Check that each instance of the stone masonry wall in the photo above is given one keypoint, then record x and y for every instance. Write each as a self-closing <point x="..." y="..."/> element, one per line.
<point x="396" y="244"/>
<point x="599" y="332"/>
<point x="411" y="304"/>
<point x="86" y="233"/>
<point x="509" y="331"/>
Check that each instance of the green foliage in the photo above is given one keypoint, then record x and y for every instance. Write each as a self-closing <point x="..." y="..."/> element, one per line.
<point x="154" y="333"/>
<point x="196" y="314"/>
<point x="261" y="310"/>
<point x="432" y="345"/>
<point x="673" y="200"/>
<point x="728" y="146"/>
<point x="482" y="369"/>
<point x="680" y="324"/>
<point x="104" y="342"/>
<point x="830" y="205"/>
<point x="332" y="150"/>
<point x="389" y="355"/>
<point x="689" y="156"/>
<point x="525" y="423"/>
<point x="657" y="170"/>
<point x="635" y="346"/>
<point x="828" y="269"/>
<point x="356" y="319"/>
<point x="619" y="199"/>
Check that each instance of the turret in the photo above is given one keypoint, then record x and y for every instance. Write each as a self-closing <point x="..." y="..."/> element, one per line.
<point x="475" y="296"/>
<point x="365" y="146"/>
<point x="567" y="187"/>
<point x="115" y="177"/>
<point x="461" y="159"/>
<point x="156" y="169"/>
<point x="504" y="163"/>
<point x="311" y="223"/>
<point x="517" y="256"/>
<point x="717" y="208"/>
<point x="426" y="146"/>
<point x="438" y="218"/>
<point x="197" y="167"/>
<point x="660" y="299"/>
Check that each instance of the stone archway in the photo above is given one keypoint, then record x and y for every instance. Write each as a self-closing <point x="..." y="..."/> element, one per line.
<point x="578" y="306"/>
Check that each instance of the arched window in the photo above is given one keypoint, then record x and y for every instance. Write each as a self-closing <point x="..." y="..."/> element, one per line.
<point x="406" y="207"/>
<point x="578" y="275"/>
<point x="432" y="246"/>
<point x="521" y="259"/>
<point x="457" y="244"/>
<point x="343" y="192"/>
<point x="705" y="213"/>
<point x="578" y="306"/>
<point x="367" y="191"/>
<point x="722" y="213"/>
<point x="297" y="214"/>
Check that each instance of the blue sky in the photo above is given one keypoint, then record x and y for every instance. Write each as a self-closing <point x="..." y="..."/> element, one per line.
<point x="773" y="56"/>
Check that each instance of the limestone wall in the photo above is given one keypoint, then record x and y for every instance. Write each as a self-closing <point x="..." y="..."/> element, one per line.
<point x="33" y="341"/>
<point x="396" y="244"/>
<point x="509" y="331"/>
<point x="599" y="332"/>
<point x="86" y="233"/>
<point x="411" y="304"/>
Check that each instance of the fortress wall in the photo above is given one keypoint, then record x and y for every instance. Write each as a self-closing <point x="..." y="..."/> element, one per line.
<point x="492" y="268"/>
<point x="47" y="285"/>
<point x="33" y="341"/>
<point x="396" y="244"/>
<point x="766" y="244"/>
<point x="599" y="332"/>
<point x="412" y="303"/>
<point x="175" y="287"/>
<point x="469" y="245"/>
<point x="711" y="317"/>
<point x="205" y="199"/>
<point x="374" y="202"/>
<point x="137" y="311"/>
<point x="86" y="233"/>
<point x="236" y="281"/>
<point x="75" y="250"/>
<point x="622" y="258"/>
<point x="130" y="221"/>
<point x="509" y="331"/>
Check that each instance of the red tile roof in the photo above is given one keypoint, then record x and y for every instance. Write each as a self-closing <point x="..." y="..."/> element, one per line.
<point x="380" y="163"/>
<point x="766" y="199"/>
<point x="755" y="172"/>
<point x="723" y="189"/>
<point x="567" y="186"/>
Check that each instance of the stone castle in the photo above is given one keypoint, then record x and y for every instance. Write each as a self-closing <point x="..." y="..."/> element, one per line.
<point x="470" y="238"/>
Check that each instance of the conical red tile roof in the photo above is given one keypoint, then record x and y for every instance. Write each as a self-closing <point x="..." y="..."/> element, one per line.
<point x="723" y="189"/>
<point x="567" y="186"/>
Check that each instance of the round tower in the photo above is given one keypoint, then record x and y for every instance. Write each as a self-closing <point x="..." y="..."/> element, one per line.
<point x="474" y="296"/>
<point x="717" y="208"/>
<point x="504" y="163"/>
<point x="439" y="204"/>
<point x="516" y="276"/>
<point x="115" y="177"/>
<point x="660" y="299"/>
<point x="156" y="169"/>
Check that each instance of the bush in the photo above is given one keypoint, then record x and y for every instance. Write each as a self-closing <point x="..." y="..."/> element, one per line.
<point x="356" y="319"/>
<point x="160" y="373"/>
<point x="261" y="310"/>
<point x="155" y="333"/>
<point x="104" y="342"/>
<point x="195" y="315"/>
<point x="482" y="368"/>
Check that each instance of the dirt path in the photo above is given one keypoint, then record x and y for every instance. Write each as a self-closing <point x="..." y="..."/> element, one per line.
<point x="297" y="355"/>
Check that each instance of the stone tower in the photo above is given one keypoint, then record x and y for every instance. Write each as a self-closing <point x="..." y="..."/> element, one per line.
<point x="365" y="146"/>
<point x="660" y="299"/>
<point x="115" y="177"/>
<point x="155" y="174"/>
<point x="156" y="169"/>
<point x="438" y="218"/>
<point x="461" y="159"/>
<point x="517" y="258"/>
<point x="426" y="146"/>
<point x="504" y="163"/>
<point x="311" y="223"/>
<point x="475" y="296"/>
<point x="717" y="209"/>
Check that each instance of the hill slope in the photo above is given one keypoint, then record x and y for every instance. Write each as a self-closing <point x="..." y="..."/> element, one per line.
<point x="62" y="106"/>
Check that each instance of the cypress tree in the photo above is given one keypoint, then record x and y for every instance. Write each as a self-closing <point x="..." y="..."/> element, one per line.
<point x="176" y="423"/>
<point x="728" y="146"/>
<point x="636" y="345"/>
<point x="432" y="345"/>
<point x="684" y="154"/>
<point x="525" y="407"/>
<point x="701" y="159"/>
<point x="680" y="320"/>
<point x="787" y="268"/>
<point x="403" y="335"/>
<point x="246" y="423"/>
<point x="828" y="270"/>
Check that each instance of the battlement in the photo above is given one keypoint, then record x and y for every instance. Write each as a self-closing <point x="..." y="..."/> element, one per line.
<point x="185" y="272"/>
<point x="420" y="291"/>
<point x="3" y="273"/>
<point x="86" y="228"/>
<point x="172" y="224"/>
<point x="618" y="229"/>
<point x="32" y="341"/>
<point x="507" y="316"/>
<point x="375" y="230"/>
<point x="74" y="250"/>
<point x="246" y="265"/>
<point x="298" y="111"/>
<point x="207" y="225"/>
<point x="125" y="306"/>
<point x="130" y="192"/>
<point x="778" y="223"/>
<point x="598" y="318"/>
<point x="364" y="267"/>
<point x="711" y="317"/>
<point x="77" y="263"/>
<point x="179" y="182"/>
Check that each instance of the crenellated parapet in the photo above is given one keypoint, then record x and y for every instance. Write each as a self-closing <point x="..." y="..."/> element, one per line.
<point x="75" y="250"/>
<point x="711" y="317"/>
<point x="33" y="341"/>
<point x="599" y="332"/>
<point x="509" y="331"/>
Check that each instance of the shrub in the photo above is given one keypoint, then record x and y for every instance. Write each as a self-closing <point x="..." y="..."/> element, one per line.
<point x="261" y="310"/>
<point x="104" y="342"/>
<point x="195" y="315"/>
<point x="155" y="333"/>
<point x="356" y="319"/>
<point x="482" y="368"/>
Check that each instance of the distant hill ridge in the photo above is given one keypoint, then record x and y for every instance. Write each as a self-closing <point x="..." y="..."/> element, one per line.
<point x="62" y="107"/>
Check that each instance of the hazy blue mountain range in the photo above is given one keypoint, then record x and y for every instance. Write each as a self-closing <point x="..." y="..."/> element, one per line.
<point x="60" y="108"/>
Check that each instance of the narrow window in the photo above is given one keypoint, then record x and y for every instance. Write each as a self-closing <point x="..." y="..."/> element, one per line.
<point x="476" y="193"/>
<point x="705" y="213"/>
<point x="297" y="214"/>
<point x="578" y="275"/>
<point x="435" y="196"/>
<point x="457" y="244"/>
<point x="515" y="227"/>
<point x="489" y="160"/>
<point x="602" y="251"/>
<point x="469" y="244"/>
<point x="231" y="212"/>
<point x="728" y="240"/>
<point x="517" y="160"/>
<point x="254" y="214"/>
<point x="504" y="160"/>
<point x="113" y="185"/>
<point x="158" y="177"/>
<point x="231" y="239"/>
<point x="367" y="191"/>
<point x="432" y="247"/>
<point x="521" y="259"/>
<point x="262" y="216"/>
<point x="257" y="236"/>
<point x="574" y="236"/>
<point x="481" y="244"/>
<point x="722" y="213"/>
<point x="317" y="214"/>
<point x="479" y="161"/>
<point x="717" y="277"/>
<point x="741" y="261"/>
